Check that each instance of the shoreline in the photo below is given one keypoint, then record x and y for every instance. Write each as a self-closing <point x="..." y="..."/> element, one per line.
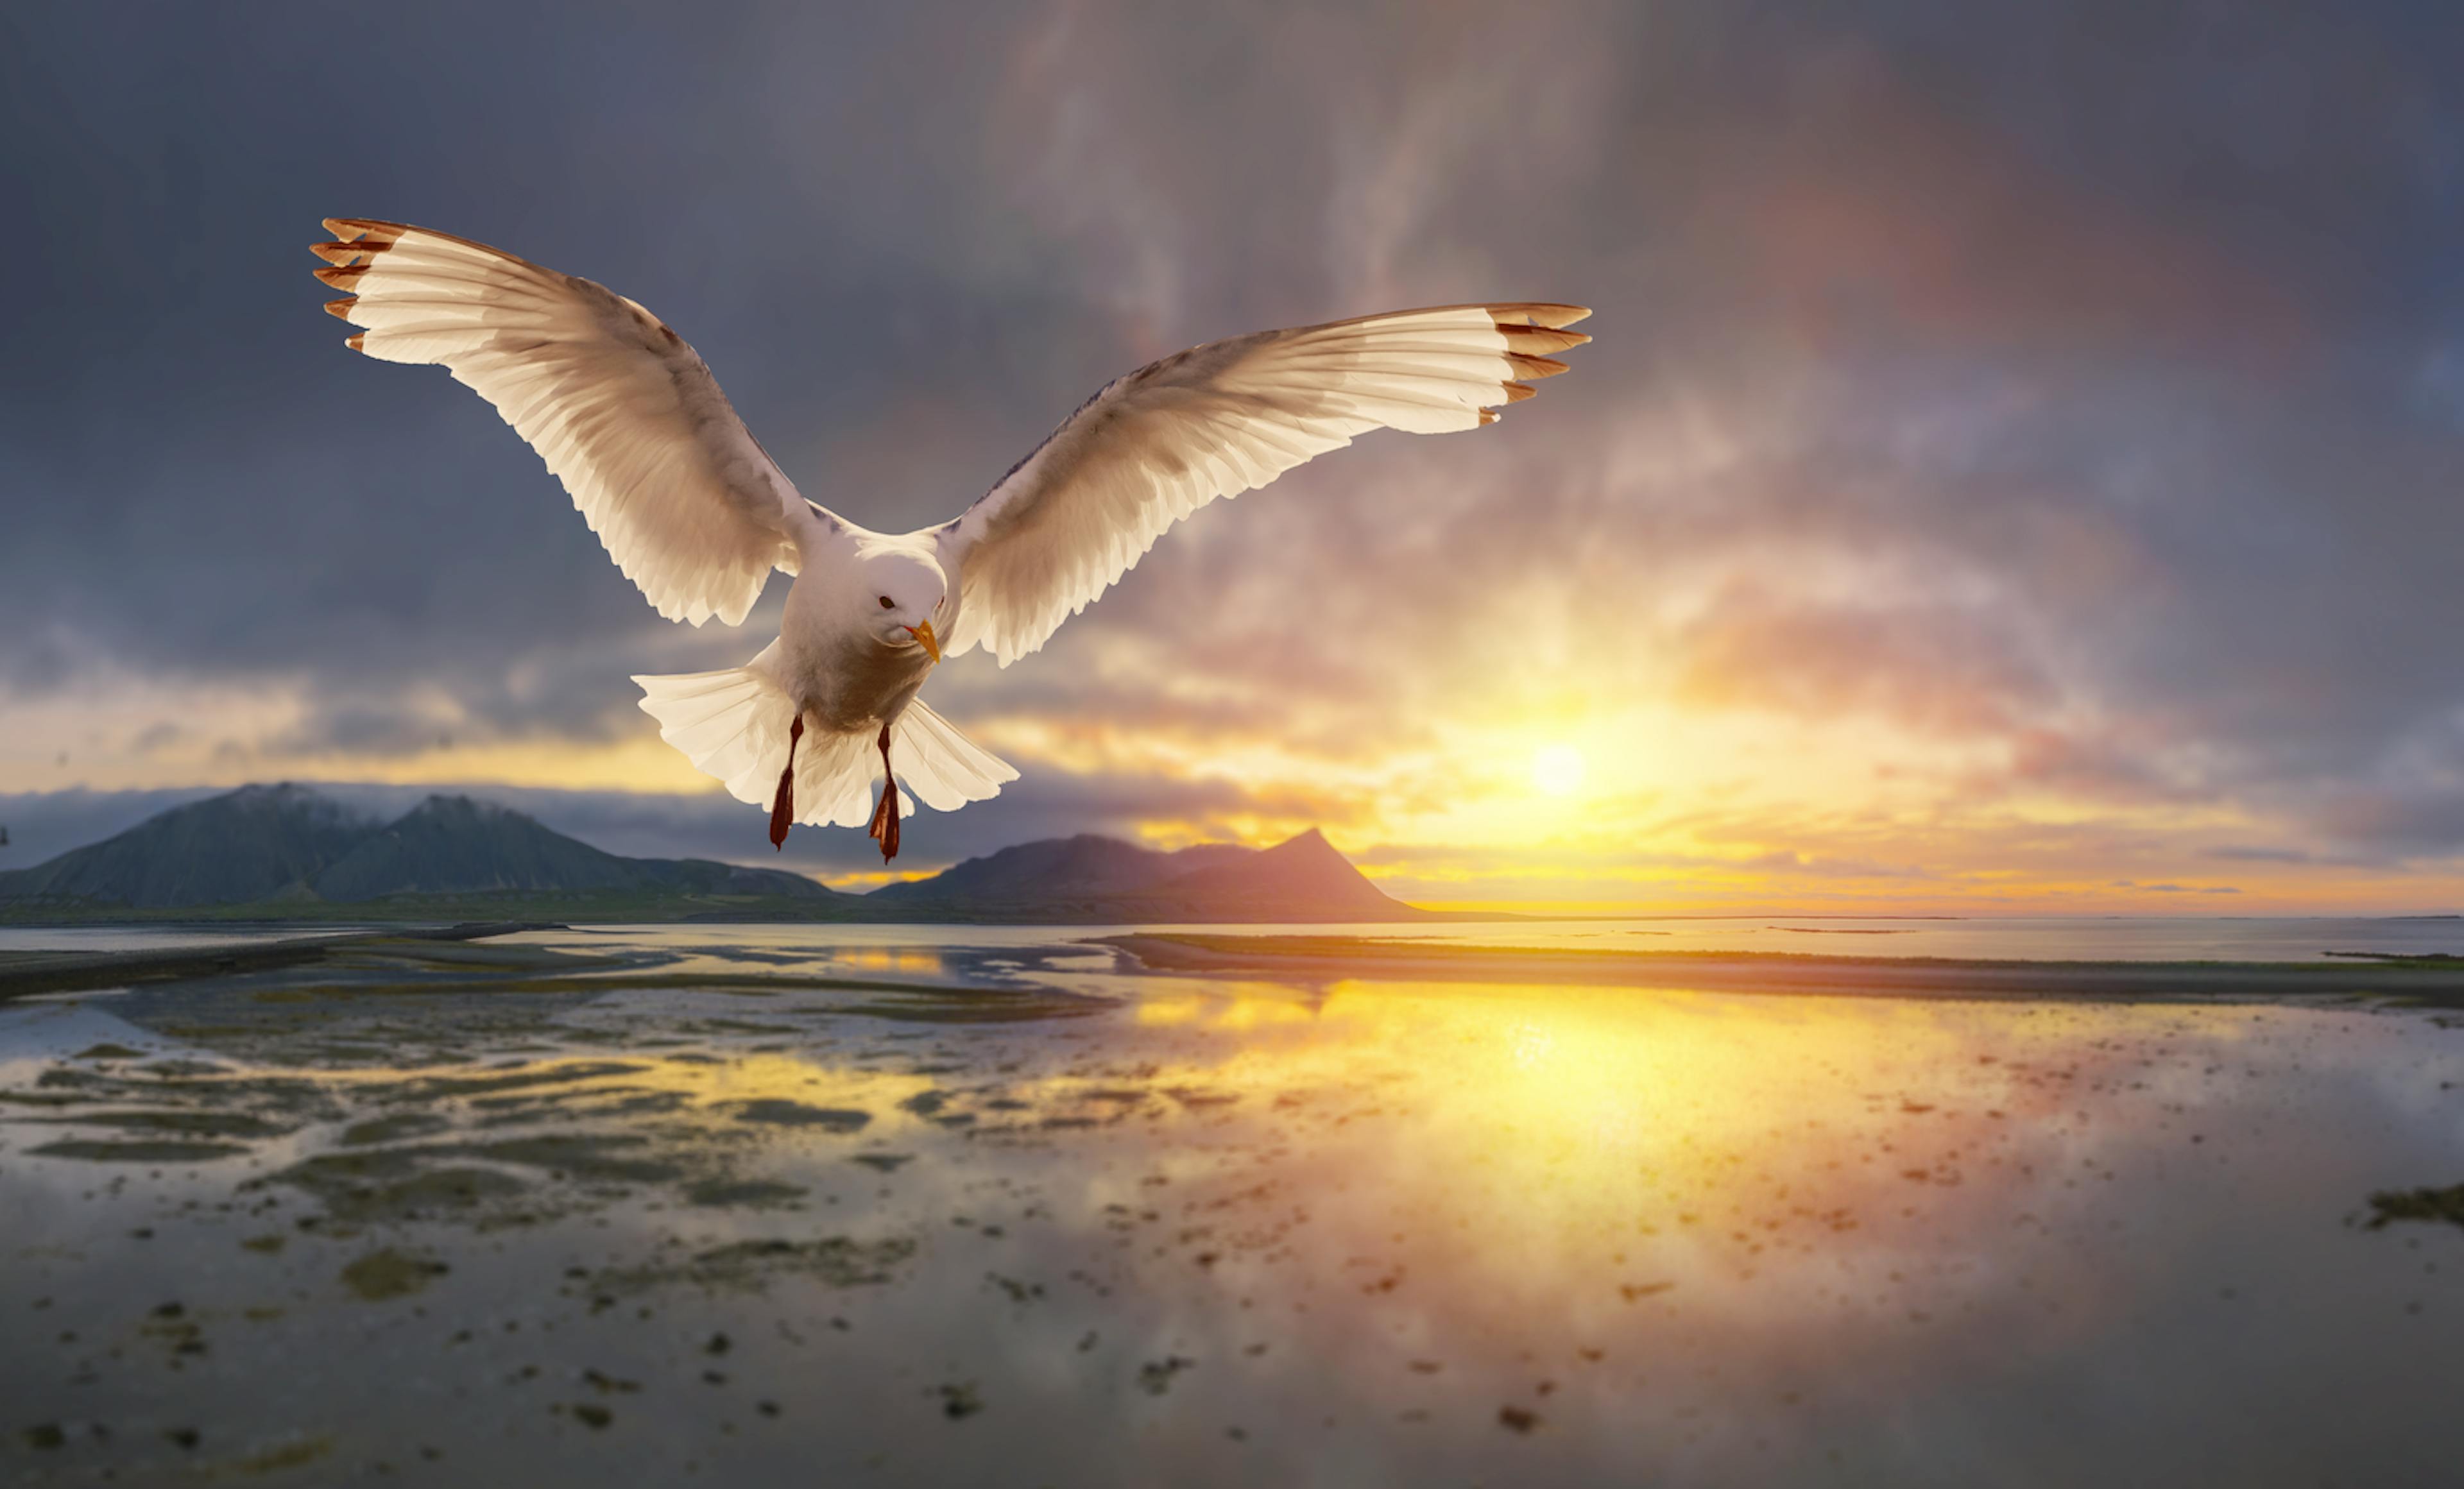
<point x="1307" y="959"/>
<point x="35" y="974"/>
<point x="1331" y="958"/>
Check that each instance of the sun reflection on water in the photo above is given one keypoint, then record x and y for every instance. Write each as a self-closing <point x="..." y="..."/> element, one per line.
<point x="1777" y="1141"/>
<point x="1653" y="1222"/>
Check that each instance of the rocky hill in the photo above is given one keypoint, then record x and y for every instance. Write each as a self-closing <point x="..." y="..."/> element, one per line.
<point x="254" y="843"/>
<point x="290" y="852"/>
<point x="1090" y="880"/>
<point x="292" y="848"/>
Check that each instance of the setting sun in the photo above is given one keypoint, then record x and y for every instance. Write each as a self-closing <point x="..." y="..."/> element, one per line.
<point x="1557" y="770"/>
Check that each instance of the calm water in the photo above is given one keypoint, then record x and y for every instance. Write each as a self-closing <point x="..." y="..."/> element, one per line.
<point x="762" y="1205"/>
<point x="2035" y="938"/>
<point x="150" y="938"/>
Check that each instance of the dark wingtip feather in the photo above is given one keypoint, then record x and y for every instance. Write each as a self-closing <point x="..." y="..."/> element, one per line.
<point x="1539" y="340"/>
<point x="1539" y="313"/>
<point x="1535" y="368"/>
<point x="348" y="253"/>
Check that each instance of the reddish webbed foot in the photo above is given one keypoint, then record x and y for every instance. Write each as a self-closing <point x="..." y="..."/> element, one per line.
<point x="885" y="813"/>
<point x="783" y="806"/>
<point x="884" y="821"/>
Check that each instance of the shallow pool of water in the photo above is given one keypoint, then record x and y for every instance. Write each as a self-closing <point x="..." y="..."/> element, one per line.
<point x="801" y="1207"/>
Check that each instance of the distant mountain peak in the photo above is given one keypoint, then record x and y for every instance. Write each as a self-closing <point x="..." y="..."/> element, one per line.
<point x="291" y="843"/>
<point x="245" y="845"/>
<point x="1301" y="878"/>
<point x="270" y="791"/>
<point x="1090" y="877"/>
<point x="288" y="843"/>
<point x="455" y="804"/>
<point x="281" y="796"/>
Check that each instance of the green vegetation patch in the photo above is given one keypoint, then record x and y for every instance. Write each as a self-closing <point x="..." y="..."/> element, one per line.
<point x="749" y="1266"/>
<point x="604" y="1158"/>
<point x="386" y="1273"/>
<point x="2437" y="1205"/>
<point x="796" y="1114"/>
<point x="385" y="1186"/>
<point x="142" y="1150"/>
<point x="191" y="1124"/>
<point x="393" y="1128"/>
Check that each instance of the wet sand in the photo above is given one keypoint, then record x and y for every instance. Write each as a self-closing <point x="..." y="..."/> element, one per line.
<point x="32" y="972"/>
<point x="2429" y="979"/>
<point x="761" y="1209"/>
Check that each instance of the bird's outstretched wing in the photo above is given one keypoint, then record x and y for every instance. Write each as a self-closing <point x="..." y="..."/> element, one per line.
<point x="627" y="415"/>
<point x="1215" y="420"/>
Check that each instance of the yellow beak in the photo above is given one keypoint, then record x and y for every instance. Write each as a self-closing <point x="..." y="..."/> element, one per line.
<point x="924" y="634"/>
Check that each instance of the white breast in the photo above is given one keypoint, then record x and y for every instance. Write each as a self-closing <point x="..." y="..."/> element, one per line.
<point x="842" y="674"/>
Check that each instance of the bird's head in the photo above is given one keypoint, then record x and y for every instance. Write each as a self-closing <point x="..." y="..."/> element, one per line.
<point x="899" y="593"/>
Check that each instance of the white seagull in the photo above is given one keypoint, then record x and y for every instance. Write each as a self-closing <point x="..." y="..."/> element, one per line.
<point x="697" y="513"/>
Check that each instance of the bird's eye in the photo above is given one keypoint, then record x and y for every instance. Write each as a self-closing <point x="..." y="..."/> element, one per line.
<point x="885" y="602"/>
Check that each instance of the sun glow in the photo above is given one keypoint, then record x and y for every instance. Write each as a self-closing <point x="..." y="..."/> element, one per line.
<point x="1557" y="770"/>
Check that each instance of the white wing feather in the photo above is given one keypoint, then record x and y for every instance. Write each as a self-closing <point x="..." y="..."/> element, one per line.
<point x="627" y="415"/>
<point x="943" y="768"/>
<point x="1215" y="420"/>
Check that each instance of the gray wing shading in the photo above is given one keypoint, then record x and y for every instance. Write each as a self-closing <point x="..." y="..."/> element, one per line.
<point x="1215" y="420"/>
<point x="690" y="506"/>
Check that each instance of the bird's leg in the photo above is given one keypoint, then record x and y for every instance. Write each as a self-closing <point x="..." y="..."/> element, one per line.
<point x="885" y="816"/>
<point x="783" y="806"/>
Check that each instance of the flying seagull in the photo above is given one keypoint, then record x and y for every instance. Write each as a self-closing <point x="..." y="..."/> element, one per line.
<point x="697" y="513"/>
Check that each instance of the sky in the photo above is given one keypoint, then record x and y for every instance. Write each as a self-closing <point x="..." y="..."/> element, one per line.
<point x="2017" y="469"/>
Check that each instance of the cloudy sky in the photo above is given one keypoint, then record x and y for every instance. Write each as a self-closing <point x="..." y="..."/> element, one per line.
<point x="2018" y="467"/>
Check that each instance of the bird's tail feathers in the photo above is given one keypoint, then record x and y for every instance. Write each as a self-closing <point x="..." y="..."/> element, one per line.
<point x="941" y="767"/>
<point x="732" y="724"/>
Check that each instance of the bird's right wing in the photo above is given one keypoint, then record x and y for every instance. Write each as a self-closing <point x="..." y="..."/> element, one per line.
<point x="1215" y="420"/>
<point x="688" y="503"/>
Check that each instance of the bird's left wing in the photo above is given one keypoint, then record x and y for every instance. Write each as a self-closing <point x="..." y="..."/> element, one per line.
<point x="1216" y="421"/>
<point x="688" y="503"/>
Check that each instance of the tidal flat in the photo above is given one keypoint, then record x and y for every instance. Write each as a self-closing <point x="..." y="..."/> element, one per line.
<point x="757" y="1205"/>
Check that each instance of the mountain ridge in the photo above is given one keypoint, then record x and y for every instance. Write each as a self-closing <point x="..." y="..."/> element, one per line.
<point x="1093" y="880"/>
<point x="242" y="845"/>
<point x="289" y="846"/>
<point x="287" y="851"/>
<point x="1082" y="863"/>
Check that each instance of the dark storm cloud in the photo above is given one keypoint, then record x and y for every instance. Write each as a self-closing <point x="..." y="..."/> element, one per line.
<point x="201" y="478"/>
<point x="2082" y="383"/>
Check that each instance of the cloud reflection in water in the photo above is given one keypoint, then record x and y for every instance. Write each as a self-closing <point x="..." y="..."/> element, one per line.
<point x="1219" y="1233"/>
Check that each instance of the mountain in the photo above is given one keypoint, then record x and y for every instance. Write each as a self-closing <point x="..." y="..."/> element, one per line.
<point x="455" y="846"/>
<point x="1093" y="880"/>
<point x="1301" y="878"/>
<point x="1034" y="873"/>
<point x="225" y="850"/>
<point x="287" y="852"/>
<point x="289" y="849"/>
